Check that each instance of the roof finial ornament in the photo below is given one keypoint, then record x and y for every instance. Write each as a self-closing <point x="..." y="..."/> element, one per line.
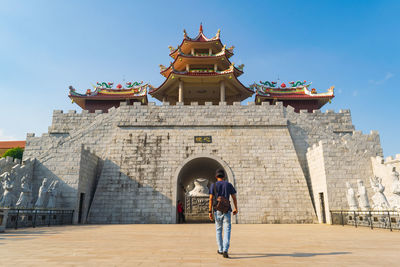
<point x="218" y="34"/>
<point x="185" y="34"/>
<point x="201" y="28"/>
<point x="171" y="48"/>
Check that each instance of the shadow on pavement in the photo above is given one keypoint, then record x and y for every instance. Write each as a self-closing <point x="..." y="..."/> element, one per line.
<point x="295" y="255"/>
<point x="27" y="232"/>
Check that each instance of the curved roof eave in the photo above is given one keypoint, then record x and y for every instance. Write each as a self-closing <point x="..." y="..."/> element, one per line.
<point x="202" y="74"/>
<point x="295" y="96"/>
<point x="172" y="54"/>
<point x="106" y="97"/>
<point x="240" y="72"/>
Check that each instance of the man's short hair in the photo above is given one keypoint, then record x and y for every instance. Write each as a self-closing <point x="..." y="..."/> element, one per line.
<point x="220" y="173"/>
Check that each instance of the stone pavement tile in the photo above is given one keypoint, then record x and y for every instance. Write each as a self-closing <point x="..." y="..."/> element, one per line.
<point x="194" y="245"/>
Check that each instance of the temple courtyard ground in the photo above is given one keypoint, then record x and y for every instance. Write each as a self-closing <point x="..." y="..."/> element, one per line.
<point x="194" y="245"/>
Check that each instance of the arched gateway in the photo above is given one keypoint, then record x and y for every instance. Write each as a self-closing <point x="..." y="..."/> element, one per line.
<point x="195" y="167"/>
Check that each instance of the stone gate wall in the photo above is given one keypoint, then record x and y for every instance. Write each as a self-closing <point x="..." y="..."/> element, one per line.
<point x="142" y="147"/>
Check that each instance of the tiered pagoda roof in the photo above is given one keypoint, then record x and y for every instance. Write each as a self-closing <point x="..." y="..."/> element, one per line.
<point x="201" y="72"/>
<point x="104" y="96"/>
<point x="297" y="94"/>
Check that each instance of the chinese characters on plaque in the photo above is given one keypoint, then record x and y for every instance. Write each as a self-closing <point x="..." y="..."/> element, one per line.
<point x="203" y="139"/>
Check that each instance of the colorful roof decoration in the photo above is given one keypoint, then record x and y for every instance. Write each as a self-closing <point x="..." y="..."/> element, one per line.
<point x="104" y="91"/>
<point x="201" y="37"/>
<point x="133" y="89"/>
<point x="207" y="59"/>
<point x="296" y="91"/>
<point x="201" y="71"/>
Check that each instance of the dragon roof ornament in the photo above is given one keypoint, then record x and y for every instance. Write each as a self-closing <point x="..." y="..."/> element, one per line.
<point x="104" y="85"/>
<point x="103" y="88"/>
<point x="240" y="67"/>
<point x="297" y="84"/>
<point x="269" y="88"/>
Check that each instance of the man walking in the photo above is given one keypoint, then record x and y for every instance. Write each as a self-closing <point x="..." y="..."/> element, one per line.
<point x="219" y="201"/>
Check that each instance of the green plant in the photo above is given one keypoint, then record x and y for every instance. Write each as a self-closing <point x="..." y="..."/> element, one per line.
<point x="15" y="152"/>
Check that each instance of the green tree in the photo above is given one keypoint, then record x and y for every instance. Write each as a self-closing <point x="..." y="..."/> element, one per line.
<point x="15" y="152"/>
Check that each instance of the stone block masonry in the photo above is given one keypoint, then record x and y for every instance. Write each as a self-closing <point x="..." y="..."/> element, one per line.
<point x="130" y="165"/>
<point x="333" y="163"/>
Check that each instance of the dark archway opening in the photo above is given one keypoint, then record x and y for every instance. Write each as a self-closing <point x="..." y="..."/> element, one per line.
<point x="196" y="208"/>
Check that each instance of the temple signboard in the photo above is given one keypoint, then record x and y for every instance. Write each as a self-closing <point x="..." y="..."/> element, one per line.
<point x="203" y="139"/>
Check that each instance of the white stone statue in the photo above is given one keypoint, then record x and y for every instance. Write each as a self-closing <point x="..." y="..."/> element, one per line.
<point x="42" y="194"/>
<point x="200" y="188"/>
<point x="189" y="188"/>
<point x="362" y="196"/>
<point x="53" y="192"/>
<point x="394" y="200"/>
<point x="7" y="199"/>
<point x="1" y="188"/>
<point x="25" y="198"/>
<point x="351" y="197"/>
<point x="379" y="198"/>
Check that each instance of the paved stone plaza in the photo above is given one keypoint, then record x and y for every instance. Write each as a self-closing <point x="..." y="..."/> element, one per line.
<point x="194" y="245"/>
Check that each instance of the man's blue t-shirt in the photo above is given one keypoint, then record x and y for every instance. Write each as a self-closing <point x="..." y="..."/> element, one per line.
<point x="224" y="189"/>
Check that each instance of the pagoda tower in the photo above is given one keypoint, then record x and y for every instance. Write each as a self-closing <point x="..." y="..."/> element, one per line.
<point x="201" y="72"/>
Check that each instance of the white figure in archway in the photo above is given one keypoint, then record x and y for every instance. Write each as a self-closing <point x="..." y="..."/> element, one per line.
<point x="395" y="198"/>
<point x="351" y="197"/>
<point x="7" y="199"/>
<point x="42" y="194"/>
<point x="362" y="196"/>
<point x="200" y="188"/>
<point x="25" y="197"/>
<point x="379" y="198"/>
<point x="53" y="192"/>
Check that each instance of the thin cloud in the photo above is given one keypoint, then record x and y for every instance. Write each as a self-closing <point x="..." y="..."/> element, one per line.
<point x="387" y="77"/>
<point x="355" y="93"/>
<point x="4" y="137"/>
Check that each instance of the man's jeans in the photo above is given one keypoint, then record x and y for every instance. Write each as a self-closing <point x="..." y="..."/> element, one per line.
<point x="223" y="219"/>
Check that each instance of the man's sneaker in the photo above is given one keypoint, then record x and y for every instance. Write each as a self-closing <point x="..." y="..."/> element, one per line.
<point x="219" y="252"/>
<point x="225" y="254"/>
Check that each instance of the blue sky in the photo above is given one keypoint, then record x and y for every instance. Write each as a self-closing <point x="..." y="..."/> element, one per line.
<point x="48" y="45"/>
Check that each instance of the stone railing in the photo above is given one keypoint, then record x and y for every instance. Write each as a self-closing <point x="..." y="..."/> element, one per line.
<point x="3" y="219"/>
<point x="21" y="218"/>
<point x="387" y="219"/>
